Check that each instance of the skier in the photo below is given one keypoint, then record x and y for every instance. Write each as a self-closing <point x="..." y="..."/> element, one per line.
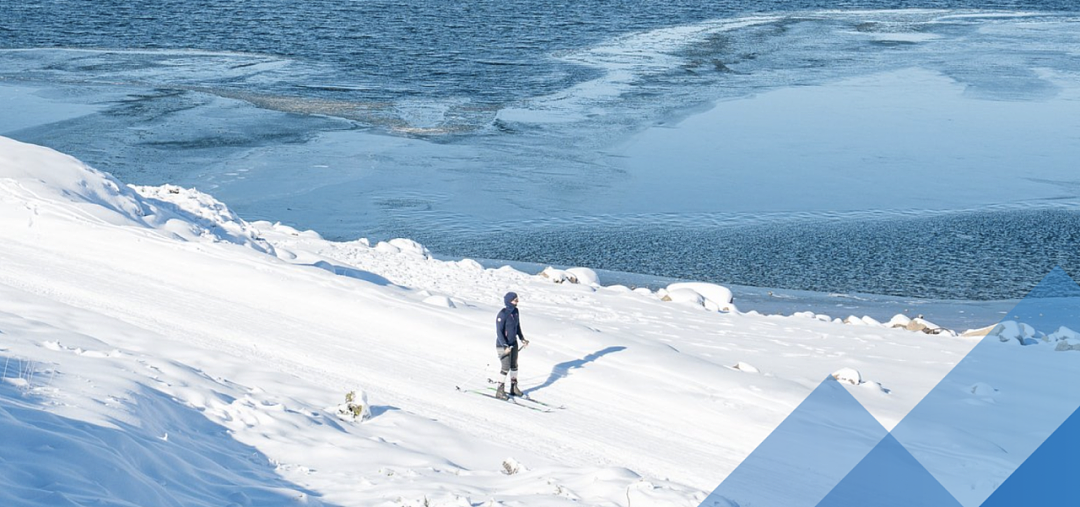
<point x="508" y="330"/>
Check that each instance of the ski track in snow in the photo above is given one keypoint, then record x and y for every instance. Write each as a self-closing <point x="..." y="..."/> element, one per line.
<point x="154" y="317"/>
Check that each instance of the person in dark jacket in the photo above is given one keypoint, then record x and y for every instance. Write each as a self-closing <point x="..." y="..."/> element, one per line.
<point x="508" y="332"/>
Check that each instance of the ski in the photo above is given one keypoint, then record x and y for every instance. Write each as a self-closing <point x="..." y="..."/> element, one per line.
<point x="512" y="400"/>
<point x="530" y="399"/>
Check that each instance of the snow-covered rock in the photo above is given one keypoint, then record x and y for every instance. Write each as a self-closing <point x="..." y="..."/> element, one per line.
<point x="712" y="297"/>
<point x="1009" y="330"/>
<point x="686" y="296"/>
<point x="899" y="320"/>
<point x="1064" y="333"/>
<point x="982" y="389"/>
<point x="385" y="247"/>
<point x="584" y="276"/>
<point x="355" y="408"/>
<point x="717" y="293"/>
<point x="557" y="275"/>
<point x="511" y="466"/>
<point x="410" y="247"/>
<point x="849" y="375"/>
<point x="1067" y="344"/>
<point x="854" y="321"/>
<point x="745" y="367"/>
<point x="919" y="325"/>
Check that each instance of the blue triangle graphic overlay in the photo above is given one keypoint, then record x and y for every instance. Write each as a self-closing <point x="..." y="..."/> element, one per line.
<point x="1048" y="477"/>
<point x="889" y="477"/>
<point x="815" y="447"/>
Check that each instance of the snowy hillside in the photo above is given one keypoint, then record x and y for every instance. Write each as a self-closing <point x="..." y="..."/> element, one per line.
<point x="159" y="350"/>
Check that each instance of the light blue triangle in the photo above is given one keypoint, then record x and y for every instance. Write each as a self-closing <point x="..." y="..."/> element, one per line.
<point x="889" y="477"/>
<point x="1048" y="477"/>
<point x="806" y="456"/>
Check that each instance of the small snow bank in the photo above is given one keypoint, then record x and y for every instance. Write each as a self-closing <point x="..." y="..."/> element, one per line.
<point x="712" y="297"/>
<point x="49" y="182"/>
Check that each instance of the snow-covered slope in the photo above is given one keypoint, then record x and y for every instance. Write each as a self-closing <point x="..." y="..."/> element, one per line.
<point x="158" y="350"/>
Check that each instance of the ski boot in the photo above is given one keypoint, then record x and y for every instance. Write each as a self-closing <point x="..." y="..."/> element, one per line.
<point x="500" y="393"/>
<point x="514" y="389"/>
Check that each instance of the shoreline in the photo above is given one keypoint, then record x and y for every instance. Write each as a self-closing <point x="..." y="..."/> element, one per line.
<point x="958" y="315"/>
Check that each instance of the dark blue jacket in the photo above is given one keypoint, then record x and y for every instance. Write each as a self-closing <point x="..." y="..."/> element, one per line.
<point x="508" y="324"/>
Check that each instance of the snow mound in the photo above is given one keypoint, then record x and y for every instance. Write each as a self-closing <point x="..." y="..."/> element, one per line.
<point x="899" y="321"/>
<point x="469" y="264"/>
<point x="983" y="389"/>
<point x="746" y="367"/>
<point x="854" y="321"/>
<point x="714" y="297"/>
<point x="440" y="301"/>
<point x="403" y="246"/>
<point x="510" y="466"/>
<point x="576" y="276"/>
<point x="410" y="247"/>
<point x="584" y="276"/>
<point x="684" y="296"/>
<point x="849" y="375"/>
<point x="923" y="325"/>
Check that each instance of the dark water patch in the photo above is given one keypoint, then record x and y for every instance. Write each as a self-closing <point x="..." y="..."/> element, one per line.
<point x="985" y="255"/>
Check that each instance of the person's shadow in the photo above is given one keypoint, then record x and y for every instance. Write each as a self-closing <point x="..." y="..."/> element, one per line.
<point x="562" y="370"/>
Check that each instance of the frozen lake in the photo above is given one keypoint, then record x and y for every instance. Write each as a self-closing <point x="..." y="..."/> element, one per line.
<point x="913" y="153"/>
